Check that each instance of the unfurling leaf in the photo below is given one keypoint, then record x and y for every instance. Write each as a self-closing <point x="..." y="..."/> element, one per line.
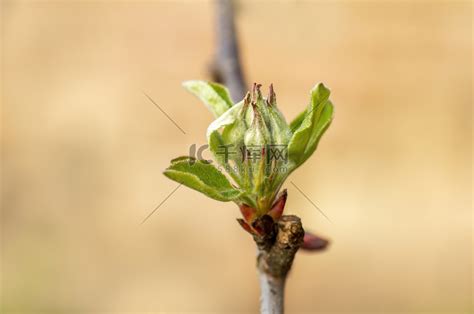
<point x="215" y="96"/>
<point x="227" y="118"/>
<point x="203" y="177"/>
<point x="218" y="142"/>
<point x="317" y="119"/>
<point x="296" y="122"/>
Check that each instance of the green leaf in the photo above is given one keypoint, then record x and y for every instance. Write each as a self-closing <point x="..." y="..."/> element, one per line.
<point x="317" y="119"/>
<point x="215" y="96"/>
<point x="227" y="118"/>
<point x="217" y="141"/>
<point x="295" y="124"/>
<point x="203" y="177"/>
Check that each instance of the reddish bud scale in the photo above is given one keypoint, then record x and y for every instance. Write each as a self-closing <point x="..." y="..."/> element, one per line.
<point x="277" y="210"/>
<point x="248" y="213"/>
<point x="312" y="242"/>
<point x="245" y="226"/>
<point x="252" y="224"/>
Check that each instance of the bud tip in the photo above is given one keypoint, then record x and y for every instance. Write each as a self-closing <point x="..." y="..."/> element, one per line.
<point x="256" y="93"/>
<point x="271" y="95"/>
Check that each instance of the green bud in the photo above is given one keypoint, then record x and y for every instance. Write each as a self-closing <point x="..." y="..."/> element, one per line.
<point x="262" y="148"/>
<point x="260" y="104"/>
<point x="256" y="140"/>
<point x="281" y="135"/>
<point x="233" y="137"/>
<point x="235" y="132"/>
<point x="280" y="131"/>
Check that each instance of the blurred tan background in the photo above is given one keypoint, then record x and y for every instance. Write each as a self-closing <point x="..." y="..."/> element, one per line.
<point x="83" y="151"/>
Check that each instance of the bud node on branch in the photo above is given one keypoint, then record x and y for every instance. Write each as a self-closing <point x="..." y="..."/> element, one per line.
<point x="276" y="253"/>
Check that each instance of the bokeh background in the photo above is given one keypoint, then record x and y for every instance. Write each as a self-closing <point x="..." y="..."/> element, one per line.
<point x="83" y="151"/>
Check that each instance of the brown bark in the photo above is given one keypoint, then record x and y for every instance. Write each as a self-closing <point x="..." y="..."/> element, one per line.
<point x="276" y="252"/>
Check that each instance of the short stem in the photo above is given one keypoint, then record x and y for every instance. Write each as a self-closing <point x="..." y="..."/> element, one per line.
<point x="272" y="294"/>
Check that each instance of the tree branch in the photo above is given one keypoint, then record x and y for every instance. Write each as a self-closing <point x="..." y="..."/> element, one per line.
<point x="277" y="242"/>
<point x="226" y="67"/>
<point x="276" y="251"/>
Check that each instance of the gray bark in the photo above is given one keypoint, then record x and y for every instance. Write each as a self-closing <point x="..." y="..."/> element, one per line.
<point x="226" y="67"/>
